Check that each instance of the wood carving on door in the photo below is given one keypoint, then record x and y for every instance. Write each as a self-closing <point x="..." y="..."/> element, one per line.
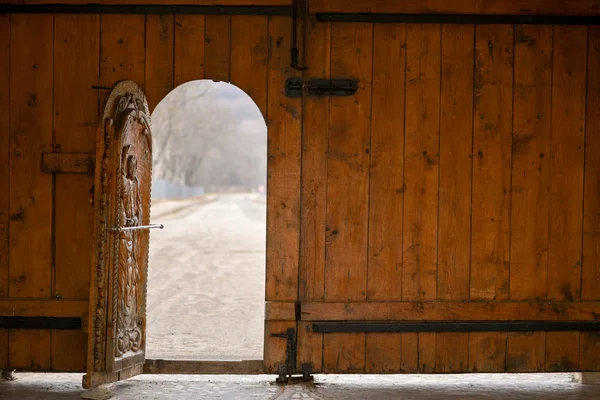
<point x="122" y="201"/>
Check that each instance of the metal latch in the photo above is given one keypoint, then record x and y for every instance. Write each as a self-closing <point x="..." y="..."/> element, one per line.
<point x="135" y="228"/>
<point x="319" y="87"/>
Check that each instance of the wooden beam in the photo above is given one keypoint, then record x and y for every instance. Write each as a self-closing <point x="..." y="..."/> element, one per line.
<point x="78" y="163"/>
<point x="482" y="7"/>
<point x="43" y="308"/>
<point x="278" y="311"/>
<point x="451" y="311"/>
<point x="243" y="367"/>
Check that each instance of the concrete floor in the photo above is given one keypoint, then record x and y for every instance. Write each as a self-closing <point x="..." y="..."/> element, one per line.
<point x="343" y="387"/>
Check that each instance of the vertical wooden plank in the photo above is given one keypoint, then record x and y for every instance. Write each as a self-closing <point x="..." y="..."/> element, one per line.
<point x="4" y="156"/>
<point x="189" y="48"/>
<point x="409" y="362"/>
<point x="492" y="137"/>
<point x="69" y="351"/>
<point x="310" y="347"/>
<point x="589" y="350"/>
<point x="562" y="351"/>
<point x="591" y="208"/>
<point x="159" y="57"/>
<point x="314" y="167"/>
<point x="3" y="348"/>
<point x="421" y="163"/>
<point x="456" y="141"/>
<point x="487" y="352"/>
<point x="567" y="162"/>
<point x="275" y="347"/>
<point x="283" y="169"/>
<point x="344" y="352"/>
<point x="250" y="57"/>
<point x="29" y="350"/>
<point x="30" y="136"/>
<point x="347" y="170"/>
<point x="531" y="162"/>
<point x="217" y="51"/>
<point x="383" y="353"/>
<point x="427" y="345"/>
<point x="122" y="54"/>
<point x="76" y="52"/>
<point x="525" y="352"/>
<point x="386" y="164"/>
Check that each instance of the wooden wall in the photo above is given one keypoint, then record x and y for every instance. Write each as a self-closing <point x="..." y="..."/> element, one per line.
<point x="50" y="69"/>
<point x="460" y="183"/>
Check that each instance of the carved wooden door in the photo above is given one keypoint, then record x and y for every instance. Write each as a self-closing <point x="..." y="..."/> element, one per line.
<point x="117" y="321"/>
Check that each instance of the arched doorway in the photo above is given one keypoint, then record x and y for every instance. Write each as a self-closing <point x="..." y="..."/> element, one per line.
<point x="206" y="279"/>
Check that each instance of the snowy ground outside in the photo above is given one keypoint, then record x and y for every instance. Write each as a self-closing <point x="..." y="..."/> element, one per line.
<point x="206" y="278"/>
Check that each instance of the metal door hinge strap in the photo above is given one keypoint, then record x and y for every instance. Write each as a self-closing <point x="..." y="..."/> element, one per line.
<point x="134" y="228"/>
<point x="465" y="326"/>
<point x="69" y="323"/>
<point x="294" y="87"/>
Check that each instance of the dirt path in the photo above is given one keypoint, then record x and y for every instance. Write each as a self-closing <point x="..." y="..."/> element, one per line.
<point x="207" y="280"/>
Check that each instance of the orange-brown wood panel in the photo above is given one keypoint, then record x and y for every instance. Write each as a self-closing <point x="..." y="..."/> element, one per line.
<point x="30" y="350"/>
<point x="518" y="7"/>
<point x="284" y="116"/>
<point x="531" y="162"/>
<point x="275" y="347"/>
<point x="525" y="352"/>
<point x="421" y="162"/>
<point x="3" y="348"/>
<point x="562" y="351"/>
<point x="567" y="162"/>
<point x="492" y="136"/>
<point x="456" y="141"/>
<point x="250" y="58"/>
<point x="591" y="206"/>
<point x="588" y="351"/>
<point x="348" y="166"/>
<point x="159" y="57"/>
<point x="386" y="167"/>
<point x="383" y="353"/>
<point x="217" y="47"/>
<point x="452" y="352"/>
<point x="344" y="352"/>
<point x="163" y="2"/>
<point x="189" y="48"/>
<point x="487" y="352"/>
<point x="409" y="363"/>
<point x="69" y="350"/>
<point x="314" y="167"/>
<point x="4" y="155"/>
<point x="310" y="347"/>
<point x="122" y="52"/>
<point x="31" y="197"/>
<point x="76" y="54"/>
<point x="427" y="352"/>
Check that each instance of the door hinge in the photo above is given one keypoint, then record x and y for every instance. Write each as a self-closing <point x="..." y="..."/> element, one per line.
<point x="320" y="87"/>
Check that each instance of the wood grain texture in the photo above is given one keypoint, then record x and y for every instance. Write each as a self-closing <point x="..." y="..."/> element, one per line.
<point x="487" y="351"/>
<point x="525" y="352"/>
<point x="250" y="57"/>
<point x="591" y="208"/>
<point x="310" y="347"/>
<point x="29" y="350"/>
<point x="421" y="162"/>
<point x="314" y="168"/>
<point x="31" y="192"/>
<point x="386" y="166"/>
<point x="344" y="352"/>
<point x="275" y="347"/>
<point x="71" y="163"/>
<point x="383" y="353"/>
<point x="567" y="162"/>
<point x="284" y="117"/>
<point x="69" y="350"/>
<point x="562" y="351"/>
<point x="122" y="53"/>
<point x="427" y="356"/>
<point x="452" y="352"/>
<point x="279" y="311"/>
<point x="3" y="348"/>
<point x="160" y="48"/>
<point x="456" y="141"/>
<point x="492" y="140"/>
<point x="347" y="169"/>
<point x="531" y="162"/>
<point x="76" y="54"/>
<point x="217" y="47"/>
<point x="409" y="363"/>
<point x="189" y="48"/>
<point x="450" y="311"/>
<point x="588" y="351"/>
<point x="163" y="2"/>
<point x="516" y="7"/>
<point x="4" y="157"/>
<point x="43" y="308"/>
